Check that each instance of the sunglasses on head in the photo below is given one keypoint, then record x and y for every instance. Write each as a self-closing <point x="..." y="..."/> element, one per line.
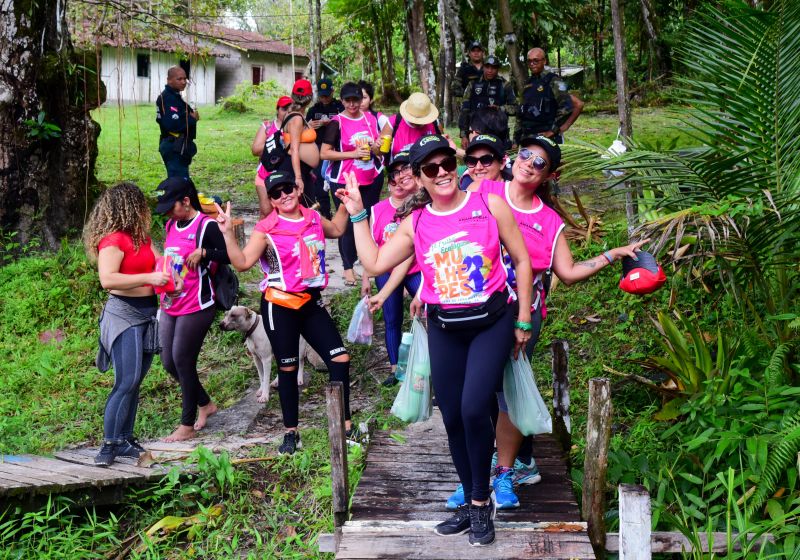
<point x="485" y="160"/>
<point x="286" y="189"/>
<point x="431" y="170"/>
<point x="539" y="163"/>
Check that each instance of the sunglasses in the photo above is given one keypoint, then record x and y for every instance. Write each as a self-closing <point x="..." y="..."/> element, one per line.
<point x="485" y="160"/>
<point x="539" y="163"/>
<point x="286" y="189"/>
<point x="431" y="170"/>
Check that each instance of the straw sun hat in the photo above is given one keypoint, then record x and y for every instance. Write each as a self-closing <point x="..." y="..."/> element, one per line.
<point x="418" y="109"/>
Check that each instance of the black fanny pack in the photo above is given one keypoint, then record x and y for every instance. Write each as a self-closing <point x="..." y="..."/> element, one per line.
<point x="474" y="317"/>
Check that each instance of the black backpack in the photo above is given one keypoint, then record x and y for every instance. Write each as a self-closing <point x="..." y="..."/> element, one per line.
<point x="274" y="152"/>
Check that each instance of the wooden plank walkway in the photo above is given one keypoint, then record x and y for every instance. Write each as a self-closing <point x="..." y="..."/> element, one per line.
<point x="405" y="484"/>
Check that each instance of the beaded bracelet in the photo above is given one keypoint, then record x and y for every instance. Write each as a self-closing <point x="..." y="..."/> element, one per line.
<point x="608" y="257"/>
<point x="360" y="217"/>
<point x="523" y="326"/>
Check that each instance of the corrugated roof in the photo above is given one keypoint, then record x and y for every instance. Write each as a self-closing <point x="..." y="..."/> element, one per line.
<point x="250" y="40"/>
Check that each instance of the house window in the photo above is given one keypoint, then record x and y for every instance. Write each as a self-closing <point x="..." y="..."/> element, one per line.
<point x="186" y="67"/>
<point x="280" y="67"/>
<point x="298" y="76"/>
<point x="256" y="75"/>
<point x="143" y="65"/>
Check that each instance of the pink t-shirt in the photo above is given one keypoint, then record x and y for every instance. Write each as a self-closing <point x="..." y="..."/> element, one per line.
<point x="260" y="171"/>
<point x="353" y="132"/>
<point x="540" y="227"/>
<point x="182" y="242"/>
<point x="384" y="225"/>
<point x="281" y="261"/>
<point x="458" y="253"/>
<point x="406" y="134"/>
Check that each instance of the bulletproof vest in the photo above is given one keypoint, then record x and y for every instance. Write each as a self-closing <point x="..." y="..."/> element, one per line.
<point x="487" y="92"/>
<point x="538" y="108"/>
<point x="469" y="73"/>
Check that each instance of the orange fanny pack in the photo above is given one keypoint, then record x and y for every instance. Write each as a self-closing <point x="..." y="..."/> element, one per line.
<point x="286" y="299"/>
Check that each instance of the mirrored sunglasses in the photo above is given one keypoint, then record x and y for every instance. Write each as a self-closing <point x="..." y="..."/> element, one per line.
<point x="539" y="163"/>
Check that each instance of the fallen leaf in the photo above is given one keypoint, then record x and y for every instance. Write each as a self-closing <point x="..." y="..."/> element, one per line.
<point x="146" y="460"/>
<point x="593" y="318"/>
<point x="257" y="494"/>
<point x="288" y="531"/>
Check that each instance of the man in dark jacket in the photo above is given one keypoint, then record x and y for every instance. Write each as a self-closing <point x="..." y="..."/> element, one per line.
<point x="178" y="124"/>
<point x="318" y="117"/>
<point x="488" y="91"/>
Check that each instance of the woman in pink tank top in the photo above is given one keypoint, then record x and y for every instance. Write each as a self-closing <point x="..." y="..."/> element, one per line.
<point x="455" y="237"/>
<point x="290" y="245"/>
<point x="528" y="195"/>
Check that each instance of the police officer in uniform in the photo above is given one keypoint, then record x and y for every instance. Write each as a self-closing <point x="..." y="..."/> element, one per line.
<point x="488" y="91"/>
<point x="545" y="106"/>
<point x="468" y="71"/>
<point x="178" y="124"/>
<point x="318" y="117"/>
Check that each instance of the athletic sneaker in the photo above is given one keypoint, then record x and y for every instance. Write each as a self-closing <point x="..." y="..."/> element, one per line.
<point x="107" y="454"/>
<point x="390" y="381"/>
<point x="458" y="524"/>
<point x="504" y="490"/>
<point x="456" y="500"/>
<point x="481" y="524"/>
<point x="526" y="474"/>
<point x="130" y="448"/>
<point x="291" y="443"/>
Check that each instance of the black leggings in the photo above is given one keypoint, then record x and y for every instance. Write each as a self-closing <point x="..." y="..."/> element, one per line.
<point x="181" y="339"/>
<point x="284" y="327"/>
<point x="466" y="370"/>
<point x="370" y="194"/>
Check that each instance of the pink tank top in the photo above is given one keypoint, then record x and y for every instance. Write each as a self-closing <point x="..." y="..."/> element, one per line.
<point x="260" y="171"/>
<point x="540" y="227"/>
<point x="353" y="132"/>
<point x="182" y="242"/>
<point x="406" y="134"/>
<point x="458" y="253"/>
<point x="384" y="226"/>
<point x="282" y="262"/>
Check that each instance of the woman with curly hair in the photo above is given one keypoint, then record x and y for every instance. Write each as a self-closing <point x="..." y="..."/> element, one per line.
<point x="116" y="237"/>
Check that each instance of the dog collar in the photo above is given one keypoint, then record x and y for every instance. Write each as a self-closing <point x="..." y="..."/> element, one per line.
<point x="253" y="328"/>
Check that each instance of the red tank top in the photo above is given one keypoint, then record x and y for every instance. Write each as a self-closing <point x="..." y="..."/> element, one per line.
<point x="133" y="261"/>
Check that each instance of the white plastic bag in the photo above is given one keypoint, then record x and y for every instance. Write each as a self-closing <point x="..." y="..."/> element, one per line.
<point x="413" y="401"/>
<point x="360" y="329"/>
<point x="526" y="408"/>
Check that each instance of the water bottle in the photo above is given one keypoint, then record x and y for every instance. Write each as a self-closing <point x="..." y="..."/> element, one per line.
<point x="402" y="357"/>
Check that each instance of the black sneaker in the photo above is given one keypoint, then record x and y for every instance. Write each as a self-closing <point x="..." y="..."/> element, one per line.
<point x="481" y="524"/>
<point x="390" y="381"/>
<point x="130" y="448"/>
<point x="458" y="524"/>
<point x="291" y="443"/>
<point x="107" y="454"/>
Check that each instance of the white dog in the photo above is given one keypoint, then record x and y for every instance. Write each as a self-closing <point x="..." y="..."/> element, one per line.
<point x="249" y="323"/>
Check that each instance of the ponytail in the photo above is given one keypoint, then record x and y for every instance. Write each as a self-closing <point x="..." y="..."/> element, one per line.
<point x="417" y="200"/>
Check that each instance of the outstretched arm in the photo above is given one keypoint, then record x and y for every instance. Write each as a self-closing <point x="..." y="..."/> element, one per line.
<point x="570" y="272"/>
<point x="241" y="259"/>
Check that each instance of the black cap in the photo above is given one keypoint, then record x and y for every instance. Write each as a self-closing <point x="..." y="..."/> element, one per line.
<point x="174" y="189"/>
<point x="400" y="158"/>
<point x="325" y="87"/>
<point x="427" y="145"/>
<point x="279" y="178"/>
<point x="496" y="145"/>
<point x="475" y="45"/>
<point x="553" y="150"/>
<point x="492" y="61"/>
<point x="350" y="90"/>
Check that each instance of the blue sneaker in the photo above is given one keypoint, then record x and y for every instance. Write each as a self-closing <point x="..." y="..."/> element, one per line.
<point x="526" y="474"/>
<point x="504" y="490"/>
<point x="457" y="499"/>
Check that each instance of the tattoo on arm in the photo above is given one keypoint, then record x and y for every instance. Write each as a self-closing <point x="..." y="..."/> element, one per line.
<point x="588" y="264"/>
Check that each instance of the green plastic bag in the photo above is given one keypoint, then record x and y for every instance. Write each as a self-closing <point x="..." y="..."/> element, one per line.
<point x="526" y="408"/>
<point x="413" y="401"/>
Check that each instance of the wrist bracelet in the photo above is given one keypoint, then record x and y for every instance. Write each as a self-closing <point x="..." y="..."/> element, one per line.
<point x="523" y="326"/>
<point x="360" y="217"/>
<point x="608" y="257"/>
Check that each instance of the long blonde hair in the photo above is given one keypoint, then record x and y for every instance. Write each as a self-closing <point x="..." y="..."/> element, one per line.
<point x="123" y="207"/>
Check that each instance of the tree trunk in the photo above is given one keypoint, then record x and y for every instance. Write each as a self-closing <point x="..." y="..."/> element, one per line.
<point x="46" y="182"/>
<point x="376" y="32"/>
<point x="658" y="50"/>
<point x="418" y="38"/>
<point x="315" y="70"/>
<point x="447" y="62"/>
<point x="510" y="38"/>
<point x="390" y="92"/>
<point x="598" y="44"/>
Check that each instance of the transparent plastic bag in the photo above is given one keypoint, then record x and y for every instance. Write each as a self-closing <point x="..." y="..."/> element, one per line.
<point x="526" y="408"/>
<point x="360" y="329"/>
<point x="413" y="401"/>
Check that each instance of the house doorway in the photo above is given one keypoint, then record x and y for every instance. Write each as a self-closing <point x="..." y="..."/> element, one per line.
<point x="257" y="70"/>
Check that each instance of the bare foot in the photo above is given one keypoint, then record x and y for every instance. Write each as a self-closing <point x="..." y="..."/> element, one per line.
<point x="259" y="392"/>
<point x="181" y="433"/>
<point x="203" y="413"/>
<point x="349" y="277"/>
